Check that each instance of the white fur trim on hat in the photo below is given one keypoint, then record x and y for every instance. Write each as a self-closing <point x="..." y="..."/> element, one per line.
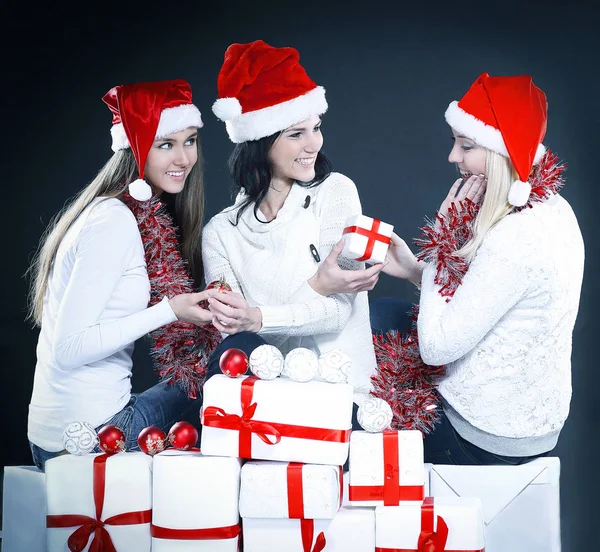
<point x="275" y="118"/>
<point x="518" y="195"/>
<point x="139" y="189"/>
<point x="485" y="135"/>
<point x="172" y="119"/>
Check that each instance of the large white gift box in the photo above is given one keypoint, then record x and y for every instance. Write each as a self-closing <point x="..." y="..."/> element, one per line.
<point x="290" y="490"/>
<point x="23" y="510"/>
<point x="366" y="239"/>
<point x="386" y="468"/>
<point x="278" y="419"/>
<point x="445" y="524"/>
<point x="195" y="502"/>
<point x="521" y="506"/>
<point x="114" y="490"/>
<point x="351" y="530"/>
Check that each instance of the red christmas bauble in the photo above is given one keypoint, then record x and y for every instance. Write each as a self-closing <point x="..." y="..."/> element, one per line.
<point x="183" y="436"/>
<point x="220" y="285"/>
<point x="152" y="440"/>
<point x="111" y="439"/>
<point x="233" y="363"/>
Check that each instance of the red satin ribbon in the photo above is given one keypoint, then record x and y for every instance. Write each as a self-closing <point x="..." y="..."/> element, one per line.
<point x="295" y="490"/>
<point x="307" y="530"/>
<point x="391" y="491"/>
<point x="373" y="236"/>
<point x="211" y="533"/>
<point x="245" y="424"/>
<point x="429" y="540"/>
<point x="88" y="525"/>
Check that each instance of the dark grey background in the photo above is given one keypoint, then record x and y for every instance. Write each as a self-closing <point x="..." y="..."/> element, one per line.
<point x="390" y="70"/>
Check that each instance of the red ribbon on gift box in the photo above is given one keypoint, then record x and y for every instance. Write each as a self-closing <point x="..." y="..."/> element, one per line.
<point x="211" y="533"/>
<point x="429" y="540"/>
<point x="245" y="424"/>
<point x="372" y="235"/>
<point x="392" y="492"/>
<point x="88" y="525"/>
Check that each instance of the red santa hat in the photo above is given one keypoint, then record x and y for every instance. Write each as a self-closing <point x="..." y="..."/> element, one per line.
<point x="506" y="115"/>
<point x="263" y="90"/>
<point x="147" y="111"/>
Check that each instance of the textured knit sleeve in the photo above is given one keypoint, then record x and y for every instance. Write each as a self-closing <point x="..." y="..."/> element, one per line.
<point x="310" y="313"/>
<point x="105" y="247"/>
<point x="500" y="275"/>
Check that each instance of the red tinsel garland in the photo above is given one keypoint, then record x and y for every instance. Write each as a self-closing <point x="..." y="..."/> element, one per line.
<point x="180" y="350"/>
<point x="402" y="378"/>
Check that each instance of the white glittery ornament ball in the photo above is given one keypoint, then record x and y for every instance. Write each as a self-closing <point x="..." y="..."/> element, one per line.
<point x="266" y="362"/>
<point x="334" y="366"/>
<point x="301" y="364"/>
<point x="79" y="438"/>
<point x="374" y="415"/>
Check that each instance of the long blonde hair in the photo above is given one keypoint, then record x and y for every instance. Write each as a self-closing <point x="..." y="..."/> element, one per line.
<point x="500" y="175"/>
<point x="112" y="181"/>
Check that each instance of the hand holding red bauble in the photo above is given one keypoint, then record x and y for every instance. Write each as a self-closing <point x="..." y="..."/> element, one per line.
<point x="233" y="363"/>
<point x="152" y="440"/>
<point x="111" y="439"/>
<point x="183" y="436"/>
<point x="219" y="285"/>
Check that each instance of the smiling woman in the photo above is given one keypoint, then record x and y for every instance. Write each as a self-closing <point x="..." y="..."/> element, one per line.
<point x="278" y="245"/>
<point x="105" y="259"/>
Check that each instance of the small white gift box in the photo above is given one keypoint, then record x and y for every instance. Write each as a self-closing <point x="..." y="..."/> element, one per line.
<point x="521" y="505"/>
<point x="195" y="502"/>
<point x="386" y="468"/>
<point x="277" y="420"/>
<point x="352" y="529"/>
<point x="447" y="524"/>
<point x="113" y="490"/>
<point x="290" y="490"/>
<point x="366" y="239"/>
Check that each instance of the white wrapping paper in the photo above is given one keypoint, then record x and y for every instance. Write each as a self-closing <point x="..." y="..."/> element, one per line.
<point x="356" y="244"/>
<point x="352" y="530"/>
<point x="521" y="504"/>
<point x="193" y="491"/>
<point x="312" y="404"/>
<point x="264" y="490"/>
<point x="69" y="490"/>
<point x="400" y="526"/>
<point x="366" y="464"/>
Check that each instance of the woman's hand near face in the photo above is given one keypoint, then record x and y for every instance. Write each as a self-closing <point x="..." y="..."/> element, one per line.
<point x="186" y="307"/>
<point x="401" y="262"/>
<point x="473" y="189"/>
<point x="232" y="314"/>
<point x="330" y="278"/>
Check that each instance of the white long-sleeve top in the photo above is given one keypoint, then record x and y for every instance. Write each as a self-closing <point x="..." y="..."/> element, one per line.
<point x="270" y="265"/>
<point x="95" y="308"/>
<point x="505" y="337"/>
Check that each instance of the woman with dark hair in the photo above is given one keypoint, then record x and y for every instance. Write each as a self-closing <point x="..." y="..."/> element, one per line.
<point x="109" y="254"/>
<point x="278" y="245"/>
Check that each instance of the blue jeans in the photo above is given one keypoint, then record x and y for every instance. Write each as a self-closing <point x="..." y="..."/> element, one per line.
<point x="162" y="405"/>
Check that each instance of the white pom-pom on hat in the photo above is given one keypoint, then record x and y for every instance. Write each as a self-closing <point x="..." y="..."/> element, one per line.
<point x="518" y="194"/>
<point x="139" y="189"/>
<point x="227" y="108"/>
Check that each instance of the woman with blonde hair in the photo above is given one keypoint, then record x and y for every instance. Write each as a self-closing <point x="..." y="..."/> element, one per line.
<point x="500" y="272"/>
<point x="108" y="255"/>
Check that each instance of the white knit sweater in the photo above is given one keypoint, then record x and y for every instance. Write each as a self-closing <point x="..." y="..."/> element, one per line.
<point x="505" y="337"/>
<point x="270" y="263"/>
<point x="95" y="308"/>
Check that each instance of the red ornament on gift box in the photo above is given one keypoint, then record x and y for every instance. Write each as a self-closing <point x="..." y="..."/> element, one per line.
<point x="183" y="436"/>
<point x="233" y="363"/>
<point x="152" y="440"/>
<point x="111" y="439"/>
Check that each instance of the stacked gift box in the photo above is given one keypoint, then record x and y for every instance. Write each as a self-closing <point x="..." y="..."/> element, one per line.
<point x="269" y="477"/>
